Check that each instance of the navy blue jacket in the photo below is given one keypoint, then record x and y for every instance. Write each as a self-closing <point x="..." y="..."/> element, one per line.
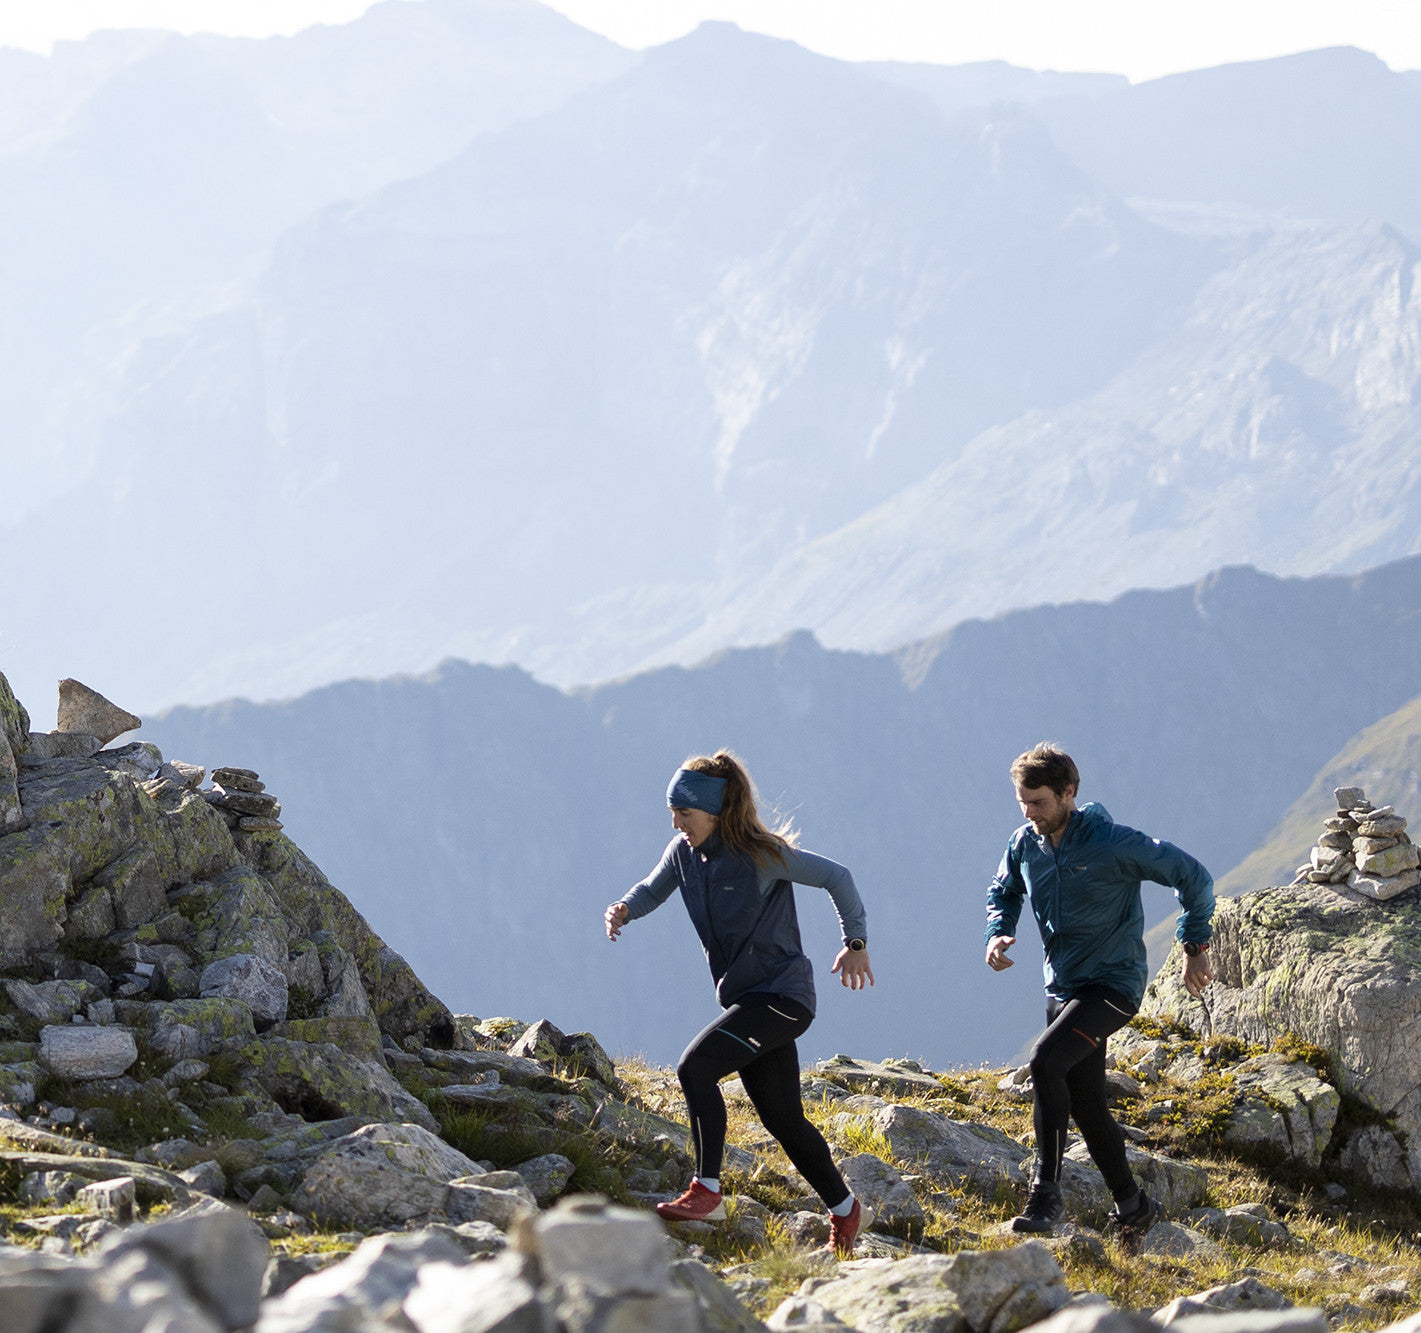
<point x="1086" y="898"/>
<point x="745" y="916"/>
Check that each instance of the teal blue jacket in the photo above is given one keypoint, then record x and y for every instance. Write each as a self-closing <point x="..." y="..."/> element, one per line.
<point x="1086" y="898"/>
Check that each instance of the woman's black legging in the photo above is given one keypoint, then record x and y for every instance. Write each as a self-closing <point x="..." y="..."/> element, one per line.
<point x="1068" y="1075"/>
<point x="755" y="1039"/>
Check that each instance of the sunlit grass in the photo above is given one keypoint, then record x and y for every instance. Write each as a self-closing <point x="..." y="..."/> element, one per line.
<point x="1379" y="1234"/>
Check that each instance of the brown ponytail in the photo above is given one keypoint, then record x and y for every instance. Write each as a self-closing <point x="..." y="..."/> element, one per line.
<point x="739" y="821"/>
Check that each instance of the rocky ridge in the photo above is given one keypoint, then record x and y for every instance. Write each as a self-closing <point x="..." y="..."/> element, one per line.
<point x="228" y="1104"/>
<point x="1332" y="959"/>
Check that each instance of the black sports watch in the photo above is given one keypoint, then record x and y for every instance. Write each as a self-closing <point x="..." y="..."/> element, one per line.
<point x="857" y="946"/>
<point x="1194" y="949"/>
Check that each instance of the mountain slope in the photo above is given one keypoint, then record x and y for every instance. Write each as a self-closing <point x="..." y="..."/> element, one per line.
<point x="1277" y="425"/>
<point x="146" y="176"/>
<point x="1319" y="135"/>
<point x="741" y="290"/>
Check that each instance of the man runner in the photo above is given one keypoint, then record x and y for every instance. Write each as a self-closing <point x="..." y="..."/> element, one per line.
<point x="1081" y="872"/>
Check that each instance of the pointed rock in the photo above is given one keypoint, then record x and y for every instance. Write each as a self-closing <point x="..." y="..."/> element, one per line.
<point x="14" y="721"/>
<point x="85" y="710"/>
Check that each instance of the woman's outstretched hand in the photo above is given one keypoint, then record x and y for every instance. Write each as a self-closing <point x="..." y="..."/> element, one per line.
<point x="853" y="969"/>
<point x="615" y="917"/>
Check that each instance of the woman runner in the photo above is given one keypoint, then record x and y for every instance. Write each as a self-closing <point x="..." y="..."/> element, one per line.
<point x="736" y="878"/>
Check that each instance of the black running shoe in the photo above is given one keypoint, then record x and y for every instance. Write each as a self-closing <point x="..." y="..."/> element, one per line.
<point x="1134" y="1224"/>
<point x="1043" y="1207"/>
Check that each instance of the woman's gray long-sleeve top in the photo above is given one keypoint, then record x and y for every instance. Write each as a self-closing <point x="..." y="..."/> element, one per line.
<point x="745" y="915"/>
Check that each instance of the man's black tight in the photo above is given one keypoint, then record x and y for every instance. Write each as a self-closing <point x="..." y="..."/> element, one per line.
<point x="1068" y="1074"/>
<point x="755" y="1039"/>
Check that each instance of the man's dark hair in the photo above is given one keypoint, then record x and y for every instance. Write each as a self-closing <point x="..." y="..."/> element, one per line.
<point x="1046" y="765"/>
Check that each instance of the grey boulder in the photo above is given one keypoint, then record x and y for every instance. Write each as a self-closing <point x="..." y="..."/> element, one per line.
<point x="86" y="1052"/>
<point x="86" y="711"/>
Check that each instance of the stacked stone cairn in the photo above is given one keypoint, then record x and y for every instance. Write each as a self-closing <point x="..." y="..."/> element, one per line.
<point x="244" y="800"/>
<point x="1364" y="847"/>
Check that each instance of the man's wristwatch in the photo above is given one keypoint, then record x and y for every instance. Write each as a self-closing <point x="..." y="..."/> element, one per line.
<point x="1194" y="950"/>
<point x="857" y="946"/>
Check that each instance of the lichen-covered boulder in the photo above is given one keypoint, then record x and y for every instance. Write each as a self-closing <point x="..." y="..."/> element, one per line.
<point x="14" y="740"/>
<point x="884" y="1078"/>
<point x="12" y="814"/>
<point x="51" y="1001"/>
<point x="885" y="1194"/>
<point x="177" y="1030"/>
<point x="34" y="886"/>
<point x="355" y="1036"/>
<point x="972" y="1291"/>
<point x="546" y="1175"/>
<point x="402" y="1005"/>
<point x="1330" y="966"/>
<point x="258" y="984"/>
<point x="1283" y="1105"/>
<point x="496" y="1197"/>
<point x="14" y="720"/>
<point x="322" y="1082"/>
<point x="243" y="915"/>
<point x="381" y="1175"/>
<point x="950" y="1149"/>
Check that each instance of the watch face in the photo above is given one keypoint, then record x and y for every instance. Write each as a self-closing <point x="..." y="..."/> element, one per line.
<point x="1191" y="948"/>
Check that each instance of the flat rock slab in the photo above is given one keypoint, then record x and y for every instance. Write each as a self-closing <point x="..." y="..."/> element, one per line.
<point x="46" y="1140"/>
<point x="153" y="1184"/>
<point x="85" y="1052"/>
<point x="973" y="1291"/>
<point x="952" y="1149"/>
<point x="882" y="1077"/>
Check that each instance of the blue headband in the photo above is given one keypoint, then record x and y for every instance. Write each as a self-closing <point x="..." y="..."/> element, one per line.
<point x="690" y="790"/>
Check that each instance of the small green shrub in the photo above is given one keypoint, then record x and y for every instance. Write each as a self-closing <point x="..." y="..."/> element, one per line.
<point x="1292" y="1047"/>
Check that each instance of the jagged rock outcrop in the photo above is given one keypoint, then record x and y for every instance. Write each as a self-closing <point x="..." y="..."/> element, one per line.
<point x="85" y="712"/>
<point x="147" y="923"/>
<point x="1335" y="968"/>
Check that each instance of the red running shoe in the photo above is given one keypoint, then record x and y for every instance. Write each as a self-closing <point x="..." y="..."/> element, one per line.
<point x="844" y="1231"/>
<point x="697" y="1204"/>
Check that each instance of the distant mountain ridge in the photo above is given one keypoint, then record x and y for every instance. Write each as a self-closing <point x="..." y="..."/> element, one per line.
<point x="640" y="348"/>
<point x="1276" y="424"/>
<point x="482" y="821"/>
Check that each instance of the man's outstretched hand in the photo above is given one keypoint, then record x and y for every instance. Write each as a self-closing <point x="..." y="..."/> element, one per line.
<point x="1197" y="973"/>
<point x="997" y="958"/>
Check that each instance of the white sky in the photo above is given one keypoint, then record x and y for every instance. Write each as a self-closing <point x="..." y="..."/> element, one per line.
<point x="1141" y="38"/>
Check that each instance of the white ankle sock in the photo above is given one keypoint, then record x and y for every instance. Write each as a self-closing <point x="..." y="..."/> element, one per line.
<point x="711" y="1183"/>
<point x="843" y="1209"/>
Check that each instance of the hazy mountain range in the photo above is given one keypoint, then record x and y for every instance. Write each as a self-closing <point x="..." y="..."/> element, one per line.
<point x="458" y="330"/>
<point x="483" y="820"/>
